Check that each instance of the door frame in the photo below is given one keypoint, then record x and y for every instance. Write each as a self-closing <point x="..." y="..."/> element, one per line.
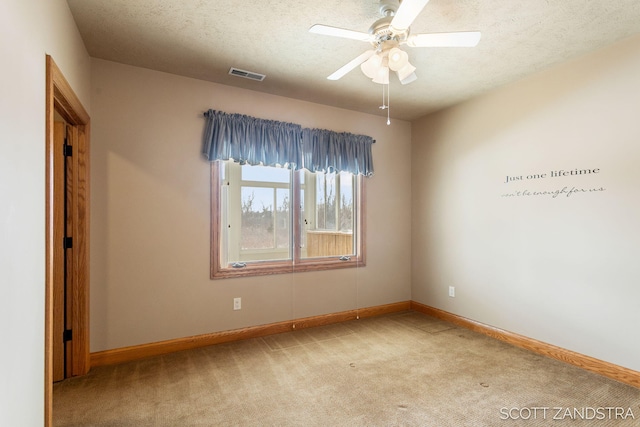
<point x="60" y="97"/>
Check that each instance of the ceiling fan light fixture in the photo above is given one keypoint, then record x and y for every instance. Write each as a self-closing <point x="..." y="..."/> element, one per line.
<point x="398" y="59"/>
<point x="405" y="72"/>
<point x="408" y="79"/>
<point x="382" y="76"/>
<point x="371" y="66"/>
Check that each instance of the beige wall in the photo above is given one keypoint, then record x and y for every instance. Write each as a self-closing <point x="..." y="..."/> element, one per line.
<point x="562" y="270"/>
<point x="150" y="213"/>
<point x="29" y="30"/>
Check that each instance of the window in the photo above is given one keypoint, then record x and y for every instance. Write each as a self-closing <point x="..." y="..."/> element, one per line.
<point x="269" y="220"/>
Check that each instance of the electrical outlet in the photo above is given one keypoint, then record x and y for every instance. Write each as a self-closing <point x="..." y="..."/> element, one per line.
<point x="237" y="303"/>
<point x="452" y="291"/>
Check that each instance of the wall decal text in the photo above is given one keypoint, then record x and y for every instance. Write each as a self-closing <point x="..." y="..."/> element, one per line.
<point x="552" y="174"/>
<point x="566" y="191"/>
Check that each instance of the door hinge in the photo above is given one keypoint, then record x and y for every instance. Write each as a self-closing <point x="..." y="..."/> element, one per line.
<point x="67" y="150"/>
<point x="68" y="242"/>
<point x="67" y="335"/>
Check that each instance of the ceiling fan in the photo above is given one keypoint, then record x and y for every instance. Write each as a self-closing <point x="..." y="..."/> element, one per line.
<point x="386" y="35"/>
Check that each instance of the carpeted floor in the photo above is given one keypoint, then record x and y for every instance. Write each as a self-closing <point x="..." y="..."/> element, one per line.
<point x="404" y="369"/>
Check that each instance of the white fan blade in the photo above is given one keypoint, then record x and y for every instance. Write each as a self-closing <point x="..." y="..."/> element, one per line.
<point x="459" y="39"/>
<point x="339" y="32"/>
<point x="407" y="12"/>
<point x="351" y="65"/>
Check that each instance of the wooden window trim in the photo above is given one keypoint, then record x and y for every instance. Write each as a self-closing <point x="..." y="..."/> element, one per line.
<point x="297" y="265"/>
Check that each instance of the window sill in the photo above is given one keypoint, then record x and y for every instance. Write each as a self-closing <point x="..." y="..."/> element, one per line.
<point x="274" y="267"/>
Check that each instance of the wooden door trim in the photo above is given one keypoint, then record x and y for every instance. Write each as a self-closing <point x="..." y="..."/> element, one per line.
<point x="60" y="97"/>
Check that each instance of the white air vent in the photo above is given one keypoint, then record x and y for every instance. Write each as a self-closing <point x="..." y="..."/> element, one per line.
<point x="246" y="74"/>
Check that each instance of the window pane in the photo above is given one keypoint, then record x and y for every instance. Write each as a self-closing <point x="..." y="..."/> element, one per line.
<point x="257" y="231"/>
<point x="325" y="201"/>
<point x="264" y="213"/>
<point x="330" y="201"/>
<point x="303" y="218"/>
<point x="330" y="233"/>
<point x="319" y="202"/>
<point x="283" y="220"/>
<point x="265" y="174"/>
<point x="346" y="202"/>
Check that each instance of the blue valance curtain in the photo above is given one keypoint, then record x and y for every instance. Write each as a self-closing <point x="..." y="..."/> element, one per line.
<point x="250" y="140"/>
<point x="328" y="151"/>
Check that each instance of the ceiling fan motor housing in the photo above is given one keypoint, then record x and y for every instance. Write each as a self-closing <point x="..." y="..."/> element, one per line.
<point x="384" y="35"/>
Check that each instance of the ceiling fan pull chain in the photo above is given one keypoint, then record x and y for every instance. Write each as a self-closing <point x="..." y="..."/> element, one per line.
<point x="388" y="104"/>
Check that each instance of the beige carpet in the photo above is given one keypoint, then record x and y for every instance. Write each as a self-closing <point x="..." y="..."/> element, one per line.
<point x="404" y="369"/>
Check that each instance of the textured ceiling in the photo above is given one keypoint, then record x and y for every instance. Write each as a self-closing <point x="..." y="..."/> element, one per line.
<point x="204" y="38"/>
